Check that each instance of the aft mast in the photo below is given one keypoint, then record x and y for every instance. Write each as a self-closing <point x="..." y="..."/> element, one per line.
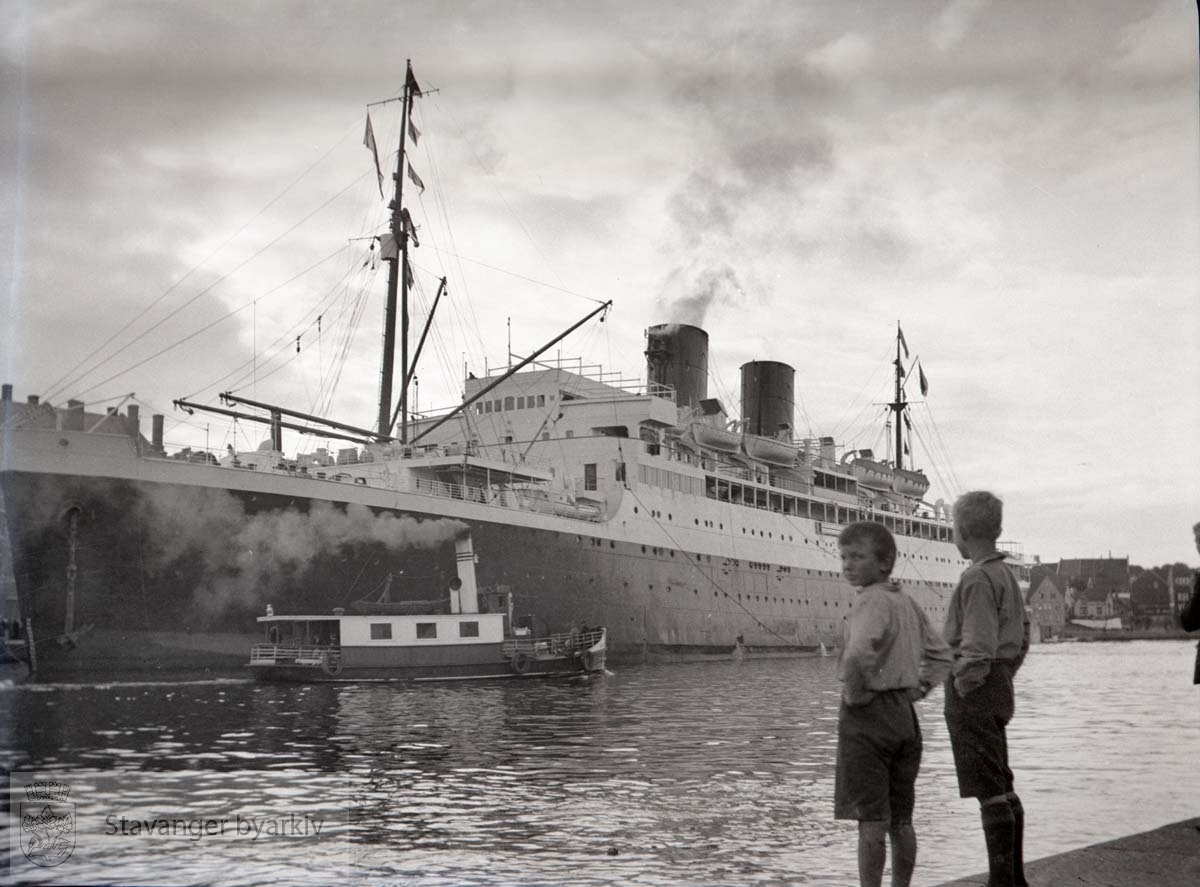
<point x="899" y="404"/>
<point x="398" y="282"/>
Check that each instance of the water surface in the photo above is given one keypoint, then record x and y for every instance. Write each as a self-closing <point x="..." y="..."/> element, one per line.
<point x="659" y="775"/>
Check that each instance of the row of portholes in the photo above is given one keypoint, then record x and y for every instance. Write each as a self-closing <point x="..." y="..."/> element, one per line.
<point x="768" y="535"/>
<point x="599" y="543"/>
<point x="758" y="598"/>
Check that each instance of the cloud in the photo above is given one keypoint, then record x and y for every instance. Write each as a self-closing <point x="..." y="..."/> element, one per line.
<point x="953" y="23"/>
<point x="847" y="56"/>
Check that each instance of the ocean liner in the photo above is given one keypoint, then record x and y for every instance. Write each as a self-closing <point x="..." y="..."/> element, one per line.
<point x="689" y="528"/>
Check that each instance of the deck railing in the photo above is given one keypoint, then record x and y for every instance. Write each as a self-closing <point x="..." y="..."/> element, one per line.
<point x="554" y="644"/>
<point x="296" y="653"/>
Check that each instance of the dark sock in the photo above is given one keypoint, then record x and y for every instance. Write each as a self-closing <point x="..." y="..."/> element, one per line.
<point x="1018" y="811"/>
<point x="998" y="833"/>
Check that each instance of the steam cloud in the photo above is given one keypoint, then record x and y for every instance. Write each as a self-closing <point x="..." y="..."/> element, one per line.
<point x="764" y="146"/>
<point x="249" y="560"/>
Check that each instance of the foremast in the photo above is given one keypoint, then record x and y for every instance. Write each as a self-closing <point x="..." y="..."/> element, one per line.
<point x="399" y="275"/>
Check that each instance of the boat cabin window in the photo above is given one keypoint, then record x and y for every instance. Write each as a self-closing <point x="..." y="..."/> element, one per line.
<point x="589" y="476"/>
<point x="381" y="631"/>
<point x="468" y="629"/>
<point x="427" y="631"/>
<point x="508" y="402"/>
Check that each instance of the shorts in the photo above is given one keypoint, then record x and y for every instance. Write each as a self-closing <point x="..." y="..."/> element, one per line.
<point x="878" y="756"/>
<point x="976" y="725"/>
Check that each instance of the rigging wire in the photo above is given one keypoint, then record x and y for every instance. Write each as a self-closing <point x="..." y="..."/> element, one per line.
<point x="75" y="376"/>
<point x="209" y="289"/>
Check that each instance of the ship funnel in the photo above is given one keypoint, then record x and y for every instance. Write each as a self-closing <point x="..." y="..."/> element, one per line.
<point x="5" y="393"/>
<point x="768" y="401"/>
<point x="677" y="355"/>
<point x="156" y="432"/>
<point x="464" y="598"/>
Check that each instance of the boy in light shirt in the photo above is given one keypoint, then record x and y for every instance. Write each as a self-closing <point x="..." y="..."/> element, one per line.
<point x="891" y="656"/>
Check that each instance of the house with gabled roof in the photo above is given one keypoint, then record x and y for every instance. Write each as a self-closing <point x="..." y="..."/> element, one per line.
<point x="1047" y="605"/>
<point x="1150" y="603"/>
<point x="1096" y="602"/>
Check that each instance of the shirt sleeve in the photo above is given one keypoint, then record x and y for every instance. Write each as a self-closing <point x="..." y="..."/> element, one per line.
<point x="936" y="657"/>
<point x="1026" y="638"/>
<point x="980" y="634"/>
<point x="1189" y="616"/>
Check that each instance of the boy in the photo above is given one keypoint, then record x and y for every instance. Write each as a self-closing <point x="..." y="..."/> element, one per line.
<point x="891" y="656"/>
<point x="988" y="631"/>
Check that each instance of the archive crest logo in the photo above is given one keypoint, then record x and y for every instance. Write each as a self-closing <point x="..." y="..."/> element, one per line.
<point x="47" y="823"/>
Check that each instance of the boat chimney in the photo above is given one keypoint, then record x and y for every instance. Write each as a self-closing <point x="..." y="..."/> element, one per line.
<point x="677" y="355"/>
<point x="133" y="420"/>
<point x="5" y="393"/>
<point x="465" y="599"/>
<point x="73" y="421"/>
<point x="156" y="432"/>
<point x="768" y="403"/>
<point x="828" y="451"/>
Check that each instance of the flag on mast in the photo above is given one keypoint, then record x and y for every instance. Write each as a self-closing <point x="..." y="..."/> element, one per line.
<point x="900" y="332"/>
<point x="924" y="382"/>
<point x="416" y="179"/>
<point x="369" y="141"/>
<point x="413" y="132"/>
<point x="411" y="82"/>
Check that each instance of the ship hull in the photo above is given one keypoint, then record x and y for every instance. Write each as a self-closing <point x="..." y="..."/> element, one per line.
<point x="151" y="566"/>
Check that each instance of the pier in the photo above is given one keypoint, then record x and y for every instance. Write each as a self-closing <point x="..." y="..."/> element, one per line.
<point x="1164" y="857"/>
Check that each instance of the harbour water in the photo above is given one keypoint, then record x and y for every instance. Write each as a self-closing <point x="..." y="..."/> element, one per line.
<point x="658" y="775"/>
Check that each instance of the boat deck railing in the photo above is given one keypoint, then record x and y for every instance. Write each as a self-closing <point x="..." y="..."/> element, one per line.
<point x="311" y="655"/>
<point x="553" y="645"/>
<point x="497" y="497"/>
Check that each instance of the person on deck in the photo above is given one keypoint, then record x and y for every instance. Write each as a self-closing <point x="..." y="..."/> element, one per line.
<point x="988" y="631"/>
<point x="891" y="656"/>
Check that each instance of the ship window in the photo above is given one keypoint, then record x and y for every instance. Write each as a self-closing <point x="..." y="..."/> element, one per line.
<point x="521" y="403"/>
<point x="426" y="631"/>
<point x="468" y="629"/>
<point x="589" y="476"/>
<point x="541" y="400"/>
<point x="487" y="406"/>
<point x="508" y="402"/>
<point x="381" y="631"/>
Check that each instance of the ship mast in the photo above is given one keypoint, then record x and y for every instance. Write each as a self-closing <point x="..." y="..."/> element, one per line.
<point x="398" y="277"/>
<point x="899" y="405"/>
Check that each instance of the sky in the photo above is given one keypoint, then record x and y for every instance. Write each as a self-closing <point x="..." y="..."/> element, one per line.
<point x="184" y="191"/>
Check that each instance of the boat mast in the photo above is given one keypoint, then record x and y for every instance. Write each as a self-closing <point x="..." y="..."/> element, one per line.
<point x="899" y="405"/>
<point x="398" y="276"/>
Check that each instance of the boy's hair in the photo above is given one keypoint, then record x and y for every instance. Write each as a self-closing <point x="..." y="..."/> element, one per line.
<point x="978" y="515"/>
<point x="881" y="539"/>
